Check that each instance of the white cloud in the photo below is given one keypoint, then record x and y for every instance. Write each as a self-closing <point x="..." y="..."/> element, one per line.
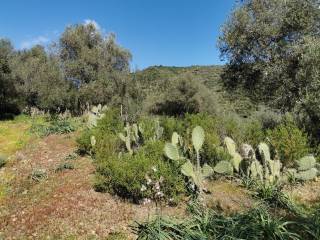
<point x="34" y="41"/>
<point x="93" y="22"/>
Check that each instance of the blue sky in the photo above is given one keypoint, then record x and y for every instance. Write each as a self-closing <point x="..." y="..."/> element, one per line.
<point x="157" y="32"/>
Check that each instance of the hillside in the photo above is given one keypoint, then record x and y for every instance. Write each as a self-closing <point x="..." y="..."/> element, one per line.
<point x="154" y="79"/>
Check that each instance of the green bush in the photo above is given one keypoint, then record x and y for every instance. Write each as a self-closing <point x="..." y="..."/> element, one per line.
<point x="170" y="125"/>
<point x="64" y="166"/>
<point x="253" y="133"/>
<point x="290" y="142"/>
<point x="210" y="152"/>
<point x="54" y="125"/>
<point x="105" y="133"/>
<point x="84" y="142"/>
<point x="125" y="174"/>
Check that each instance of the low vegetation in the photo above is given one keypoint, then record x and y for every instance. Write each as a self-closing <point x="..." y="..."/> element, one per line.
<point x="164" y="137"/>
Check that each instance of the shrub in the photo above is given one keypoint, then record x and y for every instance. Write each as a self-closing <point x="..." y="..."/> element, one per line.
<point x="54" y="125"/>
<point x="105" y="134"/>
<point x="290" y="142"/>
<point x="253" y="132"/>
<point x="124" y="175"/>
<point x="210" y="153"/>
<point x="83" y="142"/>
<point x="64" y="166"/>
<point x="184" y="94"/>
<point x="170" y="125"/>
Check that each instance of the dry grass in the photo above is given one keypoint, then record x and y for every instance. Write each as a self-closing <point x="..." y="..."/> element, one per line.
<point x="228" y="197"/>
<point x="64" y="206"/>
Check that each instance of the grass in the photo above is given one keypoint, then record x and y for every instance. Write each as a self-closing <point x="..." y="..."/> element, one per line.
<point x="14" y="134"/>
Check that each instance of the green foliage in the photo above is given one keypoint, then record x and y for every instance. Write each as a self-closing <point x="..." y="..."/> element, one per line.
<point x="163" y="228"/>
<point x="290" y="142"/>
<point x="183" y="95"/>
<point x="124" y="175"/>
<point x="196" y="173"/>
<point x="210" y="153"/>
<point x="64" y="166"/>
<point x="171" y="125"/>
<point x="203" y="223"/>
<point x="273" y="53"/>
<point x="55" y="125"/>
<point x="9" y="97"/>
<point x="307" y="169"/>
<point x="84" y="142"/>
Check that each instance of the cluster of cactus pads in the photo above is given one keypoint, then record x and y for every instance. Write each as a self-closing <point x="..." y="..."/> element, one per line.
<point x="176" y="149"/>
<point x="96" y="113"/>
<point x="264" y="168"/>
<point x="307" y="169"/>
<point x="133" y="135"/>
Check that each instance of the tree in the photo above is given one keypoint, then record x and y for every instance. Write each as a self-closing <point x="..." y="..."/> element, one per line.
<point x="8" y="93"/>
<point x="39" y="80"/>
<point x="263" y="42"/>
<point x="273" y="51"/>
<point x="183" y="94"/>
<point x="96" y="63"/>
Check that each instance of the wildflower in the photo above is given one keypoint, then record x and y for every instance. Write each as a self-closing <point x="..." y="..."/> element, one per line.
<point x="154" y="168"/>
<point x="143" y="188"/>
<point x="157" y="186"/>
<point x="146" y="201"/>
<point x="149" y="181"/>
<point x="161" y="179"/>
<point x="159" y="194"/>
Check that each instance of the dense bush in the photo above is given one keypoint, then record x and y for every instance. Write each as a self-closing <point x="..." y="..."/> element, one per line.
<point x="183" y="95"/>
<point x="290" y="142"/>
<point x="125" y="175"/>
<point x="55" y="124"/>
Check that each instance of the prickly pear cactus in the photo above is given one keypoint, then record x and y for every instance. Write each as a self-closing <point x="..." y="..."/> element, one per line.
<point x="197" y="176"/>
<point x="307" y="174"/>
<point x="224" y="167"/>
<point x="247" y="151"/>
<point x="274" y="169"/>
<point x="307" y="168"/>
<point x="256" y="170"/>
<point x="93" y="141"/>
<point x="231" y="148"/>
<point x="172" y="152"/>
<point x="158" y="130"/>
<point x="197" y="138"/>
<point x="230" y="145"/>
<point x="131" y="136"/>
<point x="264" y="152"/>
<point x="175" y="138"/>
<point x="96" y="113"/>
<point x="306" y="163"/>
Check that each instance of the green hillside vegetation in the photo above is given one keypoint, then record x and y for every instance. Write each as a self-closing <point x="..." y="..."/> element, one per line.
<point x="90" y="149"/>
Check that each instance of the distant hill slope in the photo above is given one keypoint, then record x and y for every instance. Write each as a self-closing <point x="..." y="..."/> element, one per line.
<point x="154" y="80"/>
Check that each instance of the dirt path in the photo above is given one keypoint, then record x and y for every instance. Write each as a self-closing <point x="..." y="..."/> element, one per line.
<point x="64" y="205"/>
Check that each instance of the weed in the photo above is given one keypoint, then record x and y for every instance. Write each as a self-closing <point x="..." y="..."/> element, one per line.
<point x="38" y="175"/>
<point x="64" y="166"/>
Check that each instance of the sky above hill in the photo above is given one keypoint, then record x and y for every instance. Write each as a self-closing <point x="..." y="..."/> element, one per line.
<point x="157" y="32"/>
